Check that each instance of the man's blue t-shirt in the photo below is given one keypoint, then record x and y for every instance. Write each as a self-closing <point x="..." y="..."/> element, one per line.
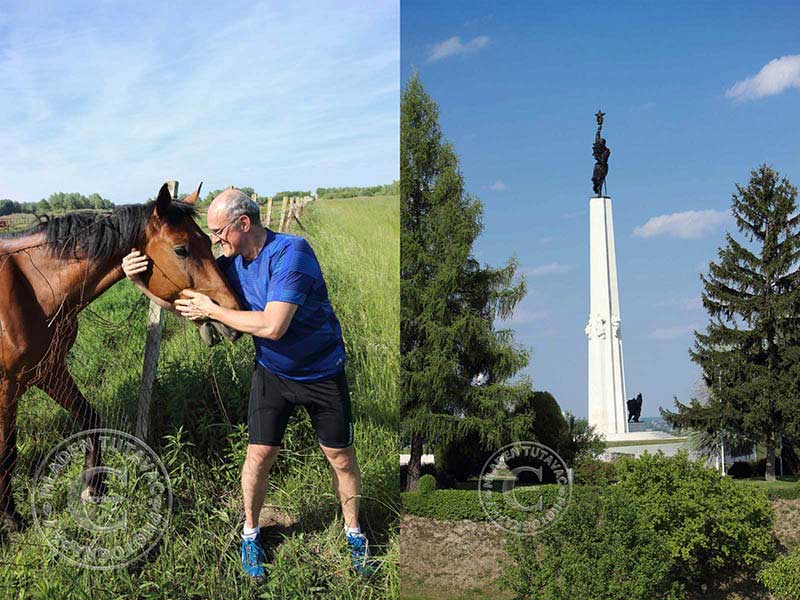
<point x="287" y="270"/>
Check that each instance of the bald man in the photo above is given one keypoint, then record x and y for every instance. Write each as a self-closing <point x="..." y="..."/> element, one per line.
<point x="299" y="358"/>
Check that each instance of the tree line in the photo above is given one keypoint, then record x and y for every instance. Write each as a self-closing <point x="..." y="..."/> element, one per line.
<point x="352" y="192"/>
<point x="59" y="201"/>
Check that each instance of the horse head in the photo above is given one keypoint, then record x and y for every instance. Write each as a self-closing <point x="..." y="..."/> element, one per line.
<point x="181" y="258"/>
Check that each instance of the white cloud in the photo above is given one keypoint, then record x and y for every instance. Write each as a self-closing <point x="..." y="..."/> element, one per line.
<point x="454" y="46"/>
<point x="691" y="224"/>
<point x="551" y="269"/>
<point x="776" y="76"/>
<point x="673" y="333"/>
<point x="498" y="186"/>
<point x="131" y="104"/>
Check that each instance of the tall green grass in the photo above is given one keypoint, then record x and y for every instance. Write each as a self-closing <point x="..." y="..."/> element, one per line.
<point x="198" y="416"/>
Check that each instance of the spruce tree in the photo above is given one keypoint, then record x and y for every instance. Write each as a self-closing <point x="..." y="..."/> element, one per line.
<point x="749" y="352"/>
<point x="455" y="366"/>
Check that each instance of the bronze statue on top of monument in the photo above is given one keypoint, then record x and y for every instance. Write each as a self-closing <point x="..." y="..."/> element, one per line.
<point x="601" y="152"/>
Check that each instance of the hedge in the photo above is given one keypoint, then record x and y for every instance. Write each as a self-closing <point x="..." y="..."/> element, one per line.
<point x="458" y="505"/>
<point x="668" y="526"/>
<point x="782" y="577"/>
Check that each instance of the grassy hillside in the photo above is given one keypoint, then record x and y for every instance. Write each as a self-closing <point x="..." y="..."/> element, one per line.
<point x="199" y="412"/>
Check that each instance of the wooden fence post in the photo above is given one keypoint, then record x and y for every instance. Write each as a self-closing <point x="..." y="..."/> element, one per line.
<point x="290" y="216"/>
<point x="155" y="326"/>
<point x="269" y="211"/>
<point x="282" y="224"/>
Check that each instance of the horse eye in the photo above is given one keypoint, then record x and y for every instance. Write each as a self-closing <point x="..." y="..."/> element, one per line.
<point x="181" y="251"/>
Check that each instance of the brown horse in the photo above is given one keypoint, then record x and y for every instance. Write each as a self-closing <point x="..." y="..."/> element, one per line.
<point x="48" y="274"/>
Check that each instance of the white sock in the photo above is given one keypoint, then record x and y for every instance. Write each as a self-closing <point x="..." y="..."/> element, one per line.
<point x="250" y="534"/>
<point x="349" y="530"/>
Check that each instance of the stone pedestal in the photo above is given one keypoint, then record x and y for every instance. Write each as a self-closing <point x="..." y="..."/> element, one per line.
<point x="607" y="408"/>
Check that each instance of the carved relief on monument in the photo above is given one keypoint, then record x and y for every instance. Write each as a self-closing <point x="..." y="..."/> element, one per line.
<point x="596" y="328"/>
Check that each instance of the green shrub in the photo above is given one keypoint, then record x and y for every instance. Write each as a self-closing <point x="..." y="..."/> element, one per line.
<point x="782" y="577"/>
<point x="600" y="548"/>
<point x="427" y="484"/>
<point x="445" y="505"/>
<point x="712" y="524"/>
<point x="667" y="526"/>
<point x="457" y="505"/>
<point x="596" y="472"/>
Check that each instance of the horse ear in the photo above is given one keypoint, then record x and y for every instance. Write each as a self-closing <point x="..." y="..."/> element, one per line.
<point x="163" y="201"/>
<point x="192" y="198"/>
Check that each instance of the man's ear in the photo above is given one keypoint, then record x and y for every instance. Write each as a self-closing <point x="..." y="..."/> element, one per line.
<point x="249" y="223"/>
<point x="163" y="201"/>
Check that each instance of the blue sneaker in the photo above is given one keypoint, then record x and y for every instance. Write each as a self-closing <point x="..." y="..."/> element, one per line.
<point x="359" y="553"/>
<point x="253" y="559"/>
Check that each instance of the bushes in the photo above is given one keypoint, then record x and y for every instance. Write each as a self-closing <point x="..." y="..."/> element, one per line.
<point x="596" y="472"/>
<point x="713" y="524"/>
<point x="782" y="577"/>
<point x="667" y="526"/>
<point x="600" y="548"/>
<point x="427" y="484"/>
<point x="445" y="505"/>
<point x="457" y="505"/>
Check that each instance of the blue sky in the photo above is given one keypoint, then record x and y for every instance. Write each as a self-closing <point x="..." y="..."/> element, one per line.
<point x="696" y="95"/>
<point x="116" y="97"/>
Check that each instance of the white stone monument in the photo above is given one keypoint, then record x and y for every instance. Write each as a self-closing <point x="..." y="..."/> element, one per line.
<point x="607" y="408"/>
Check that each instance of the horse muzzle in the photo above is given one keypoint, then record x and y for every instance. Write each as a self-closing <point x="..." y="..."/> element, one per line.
<point x="212" y="333"/>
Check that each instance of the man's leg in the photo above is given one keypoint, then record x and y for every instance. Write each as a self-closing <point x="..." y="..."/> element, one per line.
<point x="346" y="481"/>
<point x="255" y="476"/>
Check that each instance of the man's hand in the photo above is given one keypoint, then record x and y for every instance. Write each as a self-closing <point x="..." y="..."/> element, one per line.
<point x="194" y="305"/>
<point x="134" y="264"/>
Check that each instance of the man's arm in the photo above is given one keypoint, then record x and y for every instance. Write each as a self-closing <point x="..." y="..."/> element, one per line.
<point x="271" y="323"/>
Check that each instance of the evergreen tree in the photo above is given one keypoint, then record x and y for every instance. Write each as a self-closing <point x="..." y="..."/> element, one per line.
<point x="750" y="352"/>
<point x="455" y="366"/>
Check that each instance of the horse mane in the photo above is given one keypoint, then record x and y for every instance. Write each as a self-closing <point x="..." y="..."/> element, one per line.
<point x="99" y="235"/>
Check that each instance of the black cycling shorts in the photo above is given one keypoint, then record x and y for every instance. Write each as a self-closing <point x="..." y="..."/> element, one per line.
<point x="273" y="399"/>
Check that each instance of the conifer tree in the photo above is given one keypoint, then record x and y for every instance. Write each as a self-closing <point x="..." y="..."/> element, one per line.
<point x="750" y="352"/>
<point x="455" y="366"/>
